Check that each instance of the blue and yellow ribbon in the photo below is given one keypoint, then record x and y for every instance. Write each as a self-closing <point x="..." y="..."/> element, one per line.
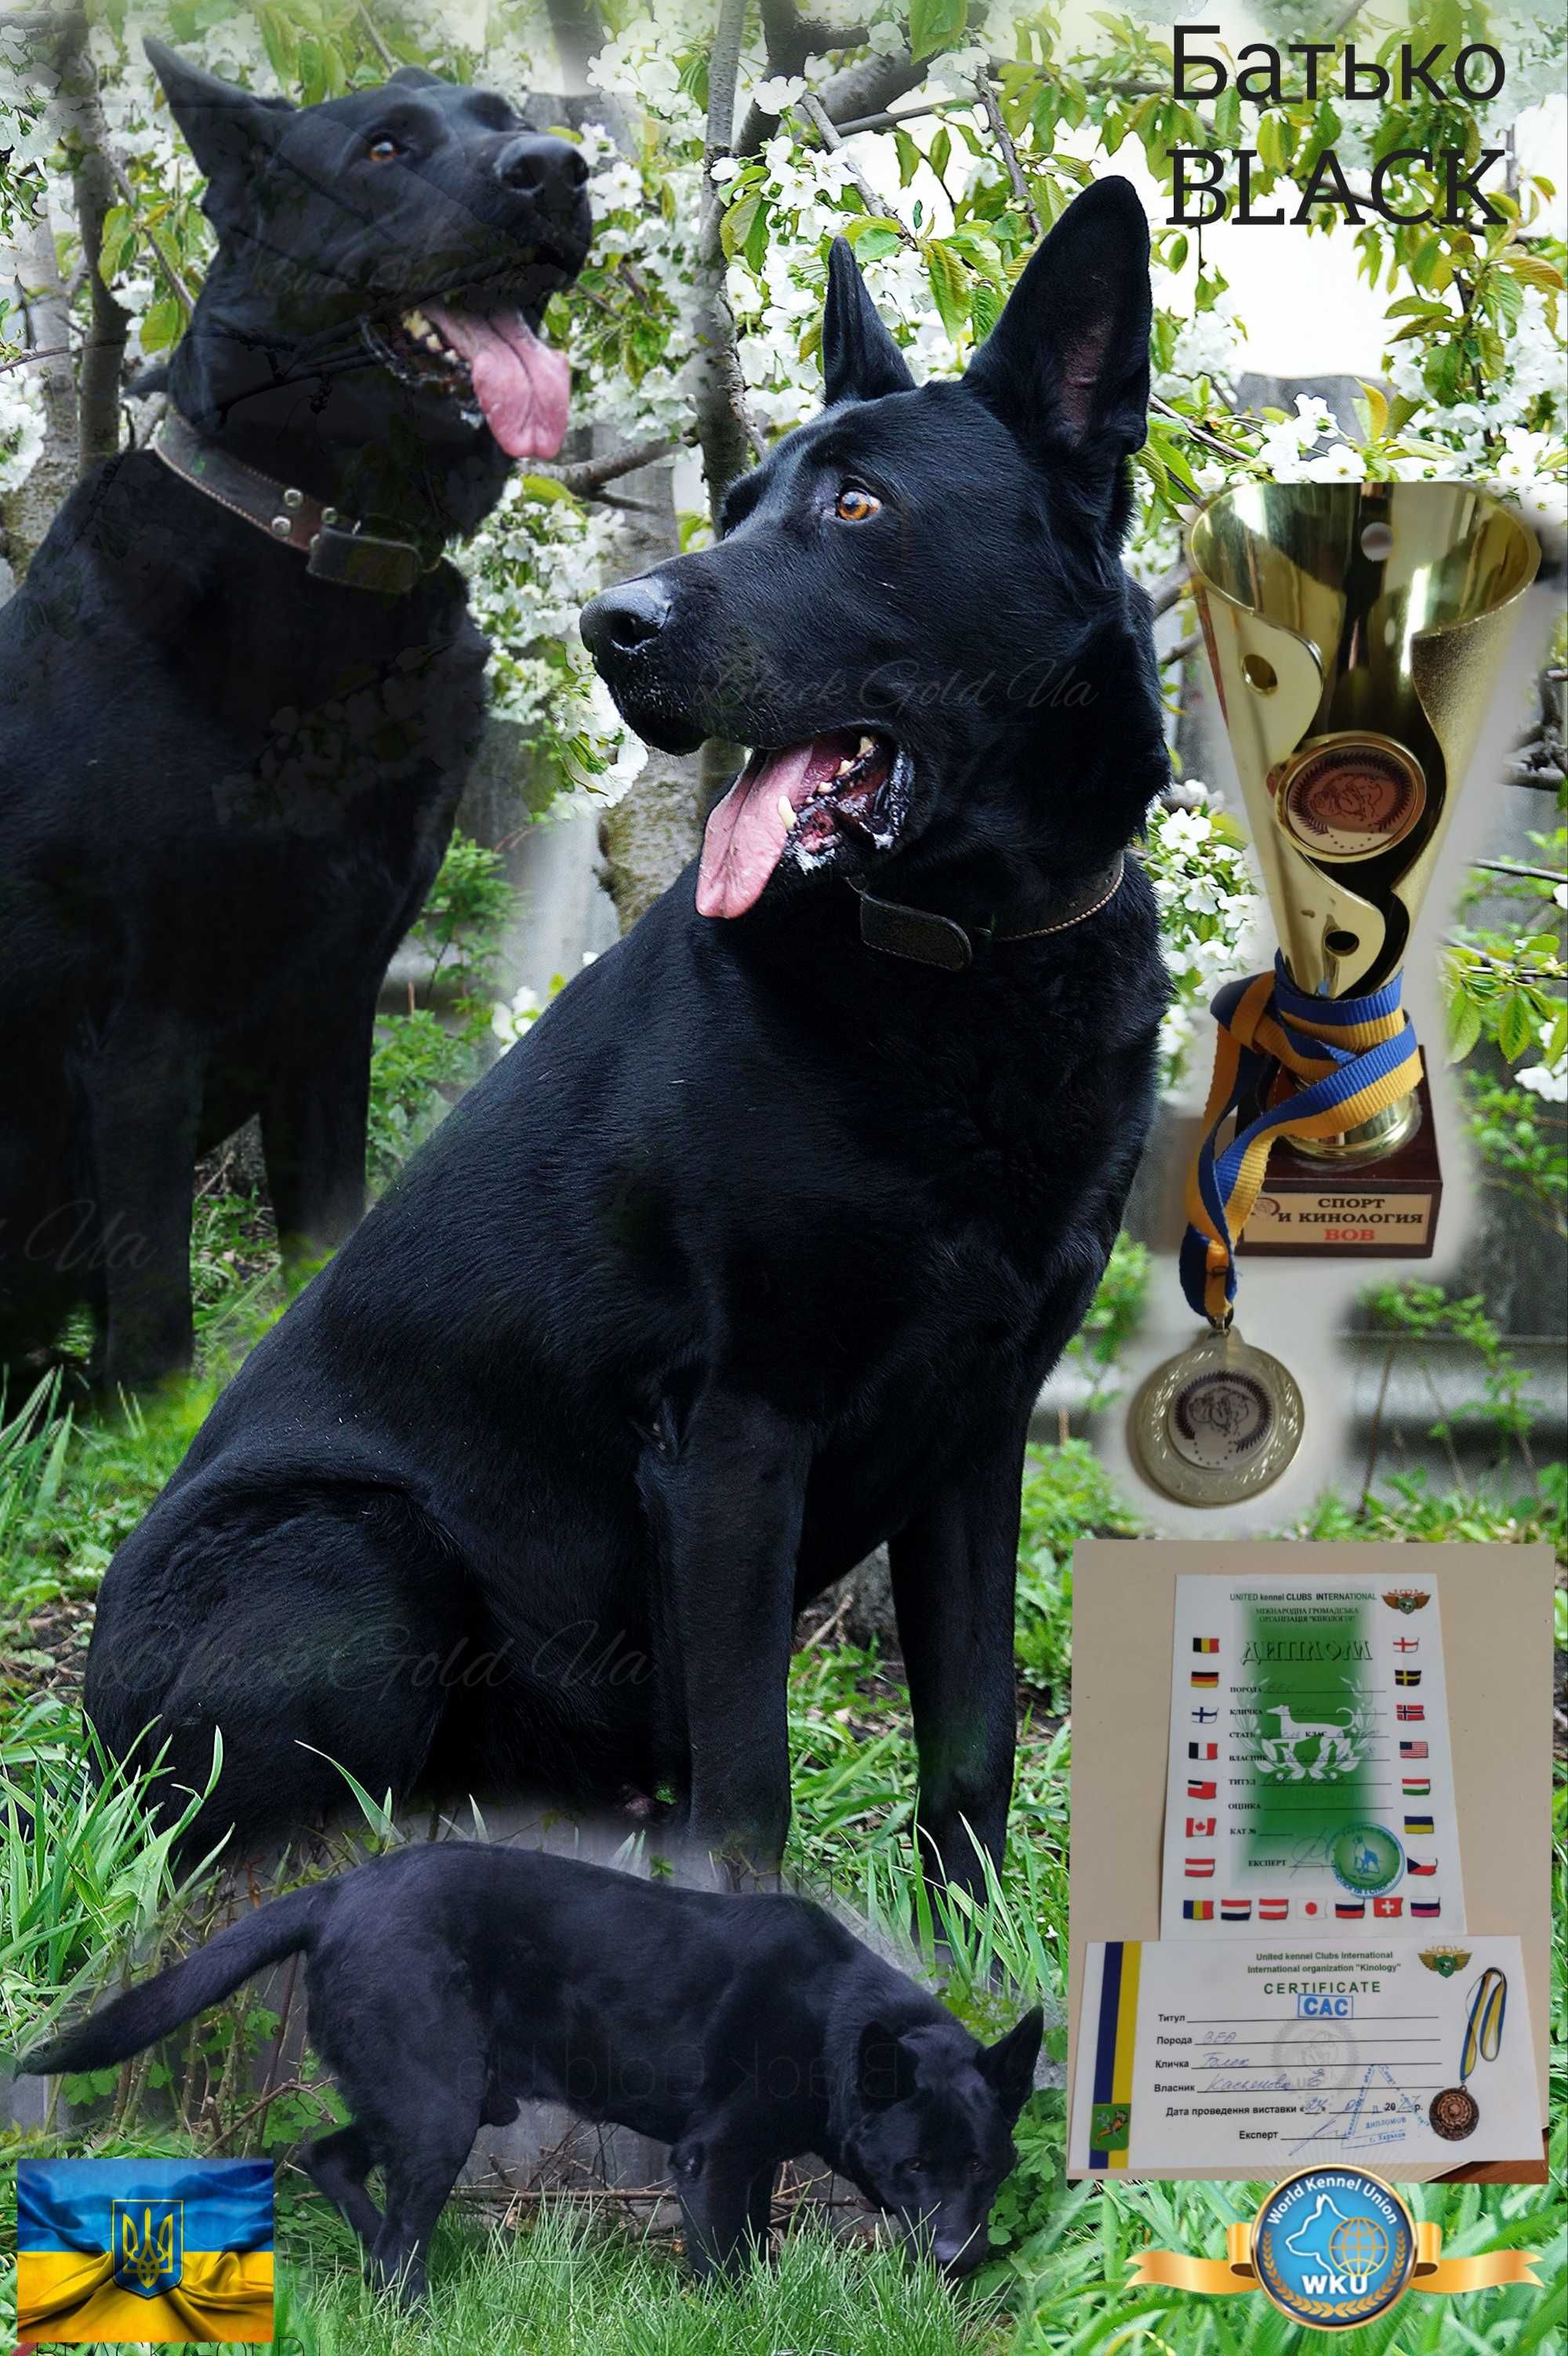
<point x="1483" y="2028"/>
<point x="1350" y="1059"/>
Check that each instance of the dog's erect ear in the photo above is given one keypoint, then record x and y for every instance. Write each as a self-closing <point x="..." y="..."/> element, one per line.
<point x="1067" y="365"/>
<point x="414" y="78"/>
<point x="1009" y="2066"/>
<point x="228" y="130"/>
<point x="883" y="2067"/>
<point x="860" y="359"/>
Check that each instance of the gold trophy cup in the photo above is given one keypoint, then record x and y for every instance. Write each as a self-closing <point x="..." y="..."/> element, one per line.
<point x="1354" y="632"/>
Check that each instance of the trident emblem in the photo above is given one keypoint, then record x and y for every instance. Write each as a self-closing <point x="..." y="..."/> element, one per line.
<point x="148" y="2252"/>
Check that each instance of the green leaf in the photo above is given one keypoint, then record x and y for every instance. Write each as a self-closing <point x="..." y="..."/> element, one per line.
<point x="876" y="242"/>
<point x="1535" y="270"/>
<point x="985" y="308"/>
<point x="1272" y="142"/>
<point x="950" y="285"/>
<point x="1463" y="1023"/>
<point x="1516" y="1026"/>
<point x="908" y="156"/>
<point x="545" y="487"/>
<point x="735" y="224"/>
<point x="1227" y="117"/>
<point x="1377" y="411"/>
<point x="935" y="25"/>
<point x="162" y="324"/>
<point x="859" y="225"/>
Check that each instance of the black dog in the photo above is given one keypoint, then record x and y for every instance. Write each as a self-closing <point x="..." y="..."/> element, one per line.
<point x="448" y="1984"/>
<point x="234" y="729"/>
<point x="757" y="1251"/>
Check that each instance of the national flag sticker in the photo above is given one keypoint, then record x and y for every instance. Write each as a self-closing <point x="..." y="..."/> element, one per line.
<point x="149" y="2250"/>
<point x="1273" y="1910"/>
<point x="1203" y="1750"/>
<point x="1236" y="1910"/>
<point x="1205" y="1643"/>
<point x="1197" y="1910"/>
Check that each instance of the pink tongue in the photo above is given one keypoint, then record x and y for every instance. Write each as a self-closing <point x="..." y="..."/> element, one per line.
<point x="746" y="832"/>
<point x="521" y="385"/>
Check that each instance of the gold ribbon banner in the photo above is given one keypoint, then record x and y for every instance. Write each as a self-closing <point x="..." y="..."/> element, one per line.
<point x="1221" y="2277"/>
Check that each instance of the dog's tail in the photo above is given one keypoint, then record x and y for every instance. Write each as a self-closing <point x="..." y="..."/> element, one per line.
<point x="144" y="2014"/>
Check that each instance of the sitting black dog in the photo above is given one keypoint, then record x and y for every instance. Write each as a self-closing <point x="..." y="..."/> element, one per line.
<point x="449" y="1982"/>
<point x="757" y="1251"/>
<point x="240" y="688"/>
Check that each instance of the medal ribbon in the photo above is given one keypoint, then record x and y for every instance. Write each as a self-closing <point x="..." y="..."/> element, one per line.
<point x="1483" y="2028"/>
<point x="1433" y="2273"/>
<point x="1351" y="1058"/>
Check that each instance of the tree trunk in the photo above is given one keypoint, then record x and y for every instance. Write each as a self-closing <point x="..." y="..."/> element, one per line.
<point x="27" y="511"/>
<point x="652" y="832"/>
<point x="79" y="115"/>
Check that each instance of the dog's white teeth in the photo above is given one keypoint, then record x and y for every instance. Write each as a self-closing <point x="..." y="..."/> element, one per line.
<point x="787" y="811"/>
<point x="416" y="322"/>
<point x="867" y="745"/>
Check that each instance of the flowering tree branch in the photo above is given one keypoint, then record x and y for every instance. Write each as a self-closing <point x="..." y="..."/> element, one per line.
<point x="1004" y="138"/>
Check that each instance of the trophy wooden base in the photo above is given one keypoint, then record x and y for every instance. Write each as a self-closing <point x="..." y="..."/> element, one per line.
<point x="1311" y="1209"/>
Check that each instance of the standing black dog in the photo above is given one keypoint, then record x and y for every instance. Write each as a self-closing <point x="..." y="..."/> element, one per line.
<point x="240" y="688"/>
<point x="757" y="1251"/>
<point x="451" y="1982"/>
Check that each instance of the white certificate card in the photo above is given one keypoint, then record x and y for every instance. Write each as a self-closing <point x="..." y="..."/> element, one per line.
<point x="1310" y="1785"/>
<point x="1259" y="2059"/>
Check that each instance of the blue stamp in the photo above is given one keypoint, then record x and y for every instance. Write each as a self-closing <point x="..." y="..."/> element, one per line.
<point x="1333" y="2247"/>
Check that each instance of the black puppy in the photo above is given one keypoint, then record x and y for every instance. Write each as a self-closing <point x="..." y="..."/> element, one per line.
<point x="757" y="1251"/>
<point x="233" y="722"/>
<point x="448" y="1984"/>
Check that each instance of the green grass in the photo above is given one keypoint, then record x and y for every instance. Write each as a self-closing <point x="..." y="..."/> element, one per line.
<point x="565" y="2284"/>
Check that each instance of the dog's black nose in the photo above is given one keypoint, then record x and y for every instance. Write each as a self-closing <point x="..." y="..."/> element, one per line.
<point x="623" y="619"/>
<point x="537" y="165"/>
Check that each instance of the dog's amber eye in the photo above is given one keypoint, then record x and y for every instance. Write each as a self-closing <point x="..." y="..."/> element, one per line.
<point x="384" y="149"/>
<point x="854" y="505"/>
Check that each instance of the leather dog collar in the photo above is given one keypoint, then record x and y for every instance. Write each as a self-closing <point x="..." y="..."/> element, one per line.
<point x="930" y="939"/>
<point x="334" y="547"/>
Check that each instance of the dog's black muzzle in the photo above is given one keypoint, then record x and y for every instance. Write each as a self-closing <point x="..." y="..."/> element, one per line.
<point x="625" y="631"/>
<point x="621" y="622"/>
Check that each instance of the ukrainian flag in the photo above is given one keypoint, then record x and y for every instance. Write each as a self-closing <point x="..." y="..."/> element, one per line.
<point x="163" y="2249"/>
